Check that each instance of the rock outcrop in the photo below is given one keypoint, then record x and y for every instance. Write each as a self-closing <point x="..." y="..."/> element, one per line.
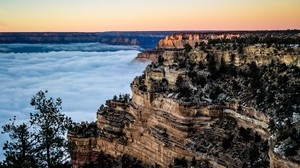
<point x="149" y="56"/>
<point x="177" y="41"/>
<point x="213" y="105"/>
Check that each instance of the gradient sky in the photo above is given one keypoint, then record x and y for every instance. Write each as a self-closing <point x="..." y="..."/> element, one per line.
<point x="121" y="15"/>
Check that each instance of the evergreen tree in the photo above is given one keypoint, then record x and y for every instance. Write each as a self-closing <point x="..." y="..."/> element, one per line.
<point x="19" y="151"/>
<point x="41" y="142"/>
<point x="188" y="47"/>
<point x="160" y="60"/>
<point x="232" y="58"/>
<point x="50" y="127"/>
<point x="212" y="63"/>
<point x="179" y="82"/>
<point x="223" y="66"/>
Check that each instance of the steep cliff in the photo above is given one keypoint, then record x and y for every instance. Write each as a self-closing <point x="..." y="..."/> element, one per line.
<point x="211" y="106"/>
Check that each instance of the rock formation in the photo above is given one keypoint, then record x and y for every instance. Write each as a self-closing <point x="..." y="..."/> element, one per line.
<point x="179" y="40"/>
<point x="219" y="105"/>
<point x="149" y="55"/>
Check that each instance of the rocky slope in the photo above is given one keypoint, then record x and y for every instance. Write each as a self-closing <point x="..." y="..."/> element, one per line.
<point x="216" y="105"/>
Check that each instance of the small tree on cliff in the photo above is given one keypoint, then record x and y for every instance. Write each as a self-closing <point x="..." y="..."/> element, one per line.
<point x="50" y="127"/>
<point x="212" y="63"/>
<point x="187" y="47"/>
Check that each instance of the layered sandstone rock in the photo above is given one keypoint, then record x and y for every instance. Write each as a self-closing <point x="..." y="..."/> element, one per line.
<point x="157" y="129"/>
<point x="252" y="53"/>
<point x="157" y="126"/>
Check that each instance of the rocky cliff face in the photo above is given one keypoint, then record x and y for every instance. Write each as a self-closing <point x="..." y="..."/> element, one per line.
<point x="149" y="56"/>
<point x="208" y="106"/>
<point x="177" y="41"/>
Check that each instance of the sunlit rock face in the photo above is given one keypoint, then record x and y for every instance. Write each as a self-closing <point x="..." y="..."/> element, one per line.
<point x="181" y="107"/>
<point x="177" y="41"/>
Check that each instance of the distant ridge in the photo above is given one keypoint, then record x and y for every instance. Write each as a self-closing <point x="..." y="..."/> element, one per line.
<point x="144" y="39"/>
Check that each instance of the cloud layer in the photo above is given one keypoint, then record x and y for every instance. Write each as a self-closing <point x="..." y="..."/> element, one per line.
<point x="83" y="80"/>
<point x="88" y="47"/>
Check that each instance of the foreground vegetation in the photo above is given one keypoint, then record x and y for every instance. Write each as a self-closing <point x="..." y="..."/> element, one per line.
<point x="41" y="141"/>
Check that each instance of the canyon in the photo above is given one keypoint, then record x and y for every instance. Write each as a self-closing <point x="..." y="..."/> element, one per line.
<point x="214" y="104"/>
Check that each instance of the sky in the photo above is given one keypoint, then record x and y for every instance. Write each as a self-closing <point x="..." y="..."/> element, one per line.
<point x="140" y="15"/>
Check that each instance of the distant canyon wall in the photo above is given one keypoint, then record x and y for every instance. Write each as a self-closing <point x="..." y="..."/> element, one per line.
<point x="178" y="40"/>
<point x="173" y="45"/>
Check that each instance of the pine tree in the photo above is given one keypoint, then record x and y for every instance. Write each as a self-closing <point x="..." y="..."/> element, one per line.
<point x="50" y="127"/>
<point x="19" y="151"/>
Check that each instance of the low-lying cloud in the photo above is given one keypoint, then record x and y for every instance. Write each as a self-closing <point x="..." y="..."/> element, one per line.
<point x="83" y="80"/>
<point x="88" y="47"/>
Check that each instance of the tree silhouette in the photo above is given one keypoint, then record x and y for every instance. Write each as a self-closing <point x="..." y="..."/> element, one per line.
<point x="41" y="142"/>
<point x="188" y="47"/>
<point x="19" y="151"/>
<point x="212" y="63"/>
<point x="50" y="126"/>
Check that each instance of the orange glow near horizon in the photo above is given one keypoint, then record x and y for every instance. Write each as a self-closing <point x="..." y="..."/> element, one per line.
<point x="140" y="15"/>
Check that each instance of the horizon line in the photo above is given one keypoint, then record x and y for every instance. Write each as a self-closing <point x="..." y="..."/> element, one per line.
<point x="116" y="31"/>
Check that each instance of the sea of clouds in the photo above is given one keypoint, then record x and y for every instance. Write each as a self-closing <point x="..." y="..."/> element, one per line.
<point x="83" y="75"/>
